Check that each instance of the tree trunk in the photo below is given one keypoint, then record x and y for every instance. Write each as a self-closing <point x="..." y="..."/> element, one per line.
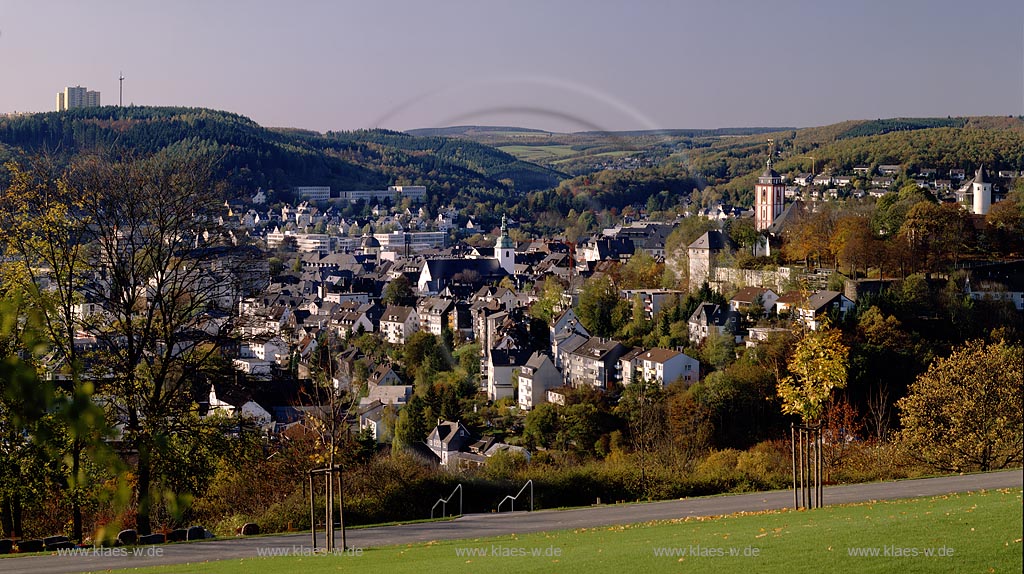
<point x="6" y="520"/>
<point x="142" y="522"/>
<point x="16" y="530"/>
<point x="76" y="499"/>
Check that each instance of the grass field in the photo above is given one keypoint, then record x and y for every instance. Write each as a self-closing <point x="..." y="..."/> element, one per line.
<point x="539" y="153"/>
<point x="977" y="532"/>
<point x="597" y="156"/>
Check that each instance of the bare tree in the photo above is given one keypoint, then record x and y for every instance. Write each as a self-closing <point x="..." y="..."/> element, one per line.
<point x="879" y="416"/>
<point x="166" y="285"/>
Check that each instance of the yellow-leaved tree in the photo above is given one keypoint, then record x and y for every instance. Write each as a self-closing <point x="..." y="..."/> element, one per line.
<point x="964" y="413"/>
<point x="818" y="365"/>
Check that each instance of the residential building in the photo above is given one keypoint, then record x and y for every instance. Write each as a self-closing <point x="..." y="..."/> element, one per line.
<point x="500" y="363"/>
<point x="997" y="282"/>
<point x="662" y="366"/>
<point x="746" y="299"/>
<point x="448" y="438"/>
<point x="77" y="97"/>
<point x="758" y="335"/>
<point x="536" y="378"/>
<point x="373" y="417"/>
<point x="567" y="334"/>
<point x="607" y="249"/>
<point x="397" y="395"/>
<point x="383" y="375"/>
<point x="709" y="319"/>
<point x="398" y="323"/>
<point x="646" y="236"/>
<point x="788" y="301"/>
<point x="814" y="311"/>
<point x="353" y="317"/>
<point x="435" y="314"/>
<point x="653" y="299"/>
<point x="594" y="363"/>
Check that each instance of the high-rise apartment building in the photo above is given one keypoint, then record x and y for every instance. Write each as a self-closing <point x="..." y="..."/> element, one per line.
<point x="77" y="97"/>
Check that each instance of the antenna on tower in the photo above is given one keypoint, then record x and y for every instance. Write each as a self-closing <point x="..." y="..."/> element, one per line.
<point x="120" y="89"/>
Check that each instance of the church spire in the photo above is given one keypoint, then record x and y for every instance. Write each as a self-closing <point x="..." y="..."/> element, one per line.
<point x="504" y="250"/>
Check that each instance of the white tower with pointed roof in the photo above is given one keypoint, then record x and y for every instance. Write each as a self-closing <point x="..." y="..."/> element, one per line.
<point x="505" y="250"/>
<point x="982" y="191"/>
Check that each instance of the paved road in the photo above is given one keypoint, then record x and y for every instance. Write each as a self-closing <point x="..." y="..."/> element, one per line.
<point x="481" y="525"/>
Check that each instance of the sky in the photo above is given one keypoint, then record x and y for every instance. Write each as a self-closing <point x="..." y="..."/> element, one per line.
<point x="561" y="65"/>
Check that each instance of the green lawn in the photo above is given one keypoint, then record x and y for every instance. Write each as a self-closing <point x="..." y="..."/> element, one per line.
<point x="977" y="532"/>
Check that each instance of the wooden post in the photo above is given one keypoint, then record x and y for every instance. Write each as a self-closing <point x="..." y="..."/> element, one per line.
<point x="312" y="514"/>
<point x="821" y="470"/>
<point x="341" y="507"/>
<point x="792" y="452"/>
<point x="328" y="507"/>
<point x="803" y="481"/>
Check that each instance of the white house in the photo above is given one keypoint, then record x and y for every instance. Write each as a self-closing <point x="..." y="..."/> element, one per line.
<point x="710" y="318"/>
<point x="398" y="323"/>
<point x="448" y="438"/>
<point x="253" y="367"/>
<point x="815" y="309"/>
<point x="499" y="364"/>
<point x="749" y="297"/>
<point x="536" y="378"/>
<point x="663" y="366"/>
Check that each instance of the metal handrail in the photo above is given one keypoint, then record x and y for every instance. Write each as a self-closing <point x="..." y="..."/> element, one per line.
<point x="513" y="498"/>
<point x="444" y="502"/>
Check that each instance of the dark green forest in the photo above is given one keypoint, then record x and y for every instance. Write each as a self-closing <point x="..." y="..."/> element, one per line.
<point x="253" y="156"/>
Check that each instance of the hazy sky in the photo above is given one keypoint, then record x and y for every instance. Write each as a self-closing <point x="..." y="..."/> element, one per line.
<point x="553" y="64"/>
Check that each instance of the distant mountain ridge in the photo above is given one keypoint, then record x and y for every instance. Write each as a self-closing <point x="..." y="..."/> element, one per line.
<point x="465" y="131"/>
<point x="254" y="156"/>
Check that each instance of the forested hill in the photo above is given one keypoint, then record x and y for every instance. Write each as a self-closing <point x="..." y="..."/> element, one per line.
<point x="731" y="165"/>
<point x="254" y="156"/>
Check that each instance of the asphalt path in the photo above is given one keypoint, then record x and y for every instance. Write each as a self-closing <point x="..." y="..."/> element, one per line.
<point x="484" y="525"/>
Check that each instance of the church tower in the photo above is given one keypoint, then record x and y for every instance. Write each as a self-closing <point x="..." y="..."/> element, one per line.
<point x="769" y="194"/>
<point x="505" y="250"/>
<point x="982" y="191"/>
